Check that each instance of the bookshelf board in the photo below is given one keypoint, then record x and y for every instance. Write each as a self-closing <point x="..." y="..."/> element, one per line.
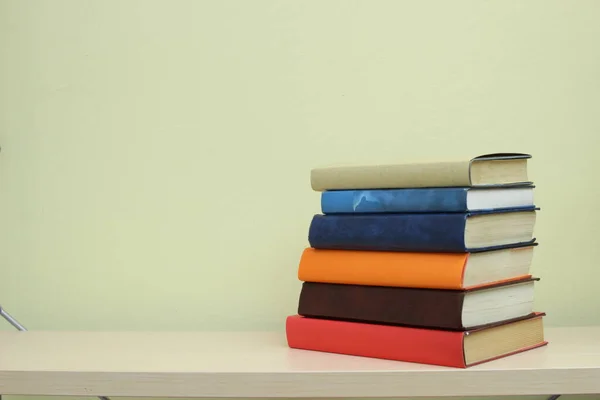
<point x="255" y="364"/>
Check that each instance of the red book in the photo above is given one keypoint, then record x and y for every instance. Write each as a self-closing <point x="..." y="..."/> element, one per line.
<point x="460" y="349"/>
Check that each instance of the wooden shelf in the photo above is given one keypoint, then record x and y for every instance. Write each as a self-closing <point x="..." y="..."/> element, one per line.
<point x="261" y="365"/>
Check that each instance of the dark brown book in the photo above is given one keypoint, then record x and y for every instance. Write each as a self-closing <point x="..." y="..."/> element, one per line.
<point x="429" y="308"/>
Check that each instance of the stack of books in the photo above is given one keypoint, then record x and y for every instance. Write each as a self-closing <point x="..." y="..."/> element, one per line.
<point x="423" y="262"/>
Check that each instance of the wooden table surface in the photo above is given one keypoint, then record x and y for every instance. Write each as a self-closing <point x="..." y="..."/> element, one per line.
<point x="256" y="364"/>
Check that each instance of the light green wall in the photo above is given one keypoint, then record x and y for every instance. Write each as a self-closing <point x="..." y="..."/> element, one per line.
<point x="155" y="160"/>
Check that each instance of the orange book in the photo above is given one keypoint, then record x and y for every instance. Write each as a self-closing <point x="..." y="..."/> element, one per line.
<point x="419" y="270"/>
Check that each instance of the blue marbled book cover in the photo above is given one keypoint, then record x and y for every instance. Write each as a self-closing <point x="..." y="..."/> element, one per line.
<point x="394" y="200"/>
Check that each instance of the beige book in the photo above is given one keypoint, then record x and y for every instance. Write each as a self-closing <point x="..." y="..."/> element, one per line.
<point x="489" y="170"/>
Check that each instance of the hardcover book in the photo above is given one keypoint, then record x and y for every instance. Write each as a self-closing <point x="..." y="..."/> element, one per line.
<point x="426" y="346"/>
<point x="428" y="308"/>
<point x="416" y="232"/>
<point x="413" y="269"/>
<point x="497" y="169"/>
<point x="422" y="200"/>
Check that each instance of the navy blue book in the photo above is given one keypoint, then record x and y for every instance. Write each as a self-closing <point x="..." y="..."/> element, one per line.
<point x="415" y="232"/>
<point x="417" y="200"/>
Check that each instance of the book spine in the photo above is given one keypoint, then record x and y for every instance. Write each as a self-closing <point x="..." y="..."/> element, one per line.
<point x="394" y="201"/>
<point x="408" y="344"/>
<point x="392" y="268"/>
<point x="426" y="308"/>
<point x="383" y="268"/>
<point x="439" y="174"/>
<point x="389" y="232"/>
